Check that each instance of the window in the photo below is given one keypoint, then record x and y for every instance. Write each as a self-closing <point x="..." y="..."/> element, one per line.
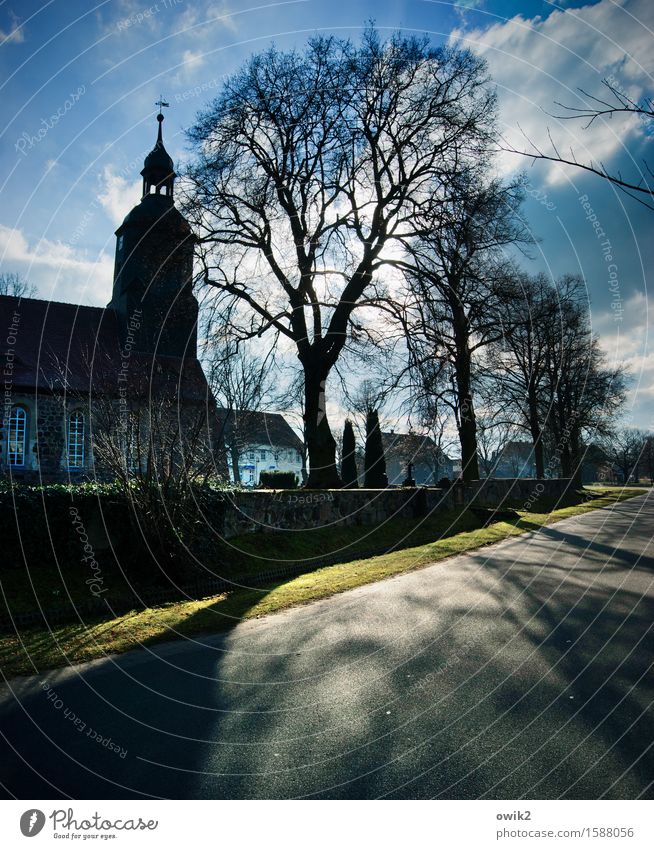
<point x="251" y="455"/>
<point x="120" y="243"/>
<point x="264" y="454"/>
<point x="76" y="440"/>
<point x="17" y="437"/>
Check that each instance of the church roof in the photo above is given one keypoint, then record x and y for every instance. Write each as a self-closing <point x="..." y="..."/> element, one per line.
<point x="49" y="336"/>
<point x="158" y="161"/>
<point x="154" y="208"/>
<point x="52" y="346"/>
<point x="159" y="158"/>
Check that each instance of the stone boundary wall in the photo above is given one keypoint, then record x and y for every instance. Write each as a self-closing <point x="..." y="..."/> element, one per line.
<point x="264" y="511"/>
<point x="493" y="492"/>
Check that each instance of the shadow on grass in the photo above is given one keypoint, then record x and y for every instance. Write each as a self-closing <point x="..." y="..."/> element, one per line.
<point x="416" y="543"/>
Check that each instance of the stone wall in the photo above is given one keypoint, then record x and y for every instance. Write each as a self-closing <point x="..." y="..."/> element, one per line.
<point x="265" y="511"/>
<point x="494" y="492"/>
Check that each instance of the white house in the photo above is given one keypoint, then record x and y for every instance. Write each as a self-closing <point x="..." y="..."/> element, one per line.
<point x="258" y="442"/>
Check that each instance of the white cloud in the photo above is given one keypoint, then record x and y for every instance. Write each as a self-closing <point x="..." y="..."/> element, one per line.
<point x="539" y="61"/>
<point x="59" y="271"/>
<point x="117" y="194"/>
<point x="196" y="17"/>
<point x="624" y="336"/>
<point x="15" y="34"/>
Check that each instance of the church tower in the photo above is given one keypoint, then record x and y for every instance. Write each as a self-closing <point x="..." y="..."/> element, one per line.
<point x="154" y="264"/>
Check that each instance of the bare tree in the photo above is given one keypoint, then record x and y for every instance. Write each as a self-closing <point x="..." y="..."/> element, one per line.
<point x="648" y="456"/>
<point x="493" y="434"/>
<point x="582" y="395"/>
<point x="369" y="395"/>
<point x="614" y="103"/>
<point x="626" y="449"/>
<point x="458" y="281"/>
<point x="242" y="385"/>
<point x="516" y="365"/>
<point x="15" y="285"/>
<point x="310" y="168"/>
<point x="435" y="419"/>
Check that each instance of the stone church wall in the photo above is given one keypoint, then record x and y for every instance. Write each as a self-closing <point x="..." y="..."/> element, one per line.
<point x="45" y="443"/>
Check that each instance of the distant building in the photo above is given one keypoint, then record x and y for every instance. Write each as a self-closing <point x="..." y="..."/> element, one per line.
<point x="597" y="466"/>
<point x="258" y="442"/>
<point x="514" y="460"/>
<point x="429" y="462"/>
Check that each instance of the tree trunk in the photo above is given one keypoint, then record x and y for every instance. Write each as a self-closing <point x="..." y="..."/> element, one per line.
<point x="536" y="435"/>
<point x="467" y="419"/>
<point x="321" y="445"/>
<point x="468" y="440"/>
<point x="235" y="468"/>
<point x="566" y="461"/>
<point x="576" y="458"/>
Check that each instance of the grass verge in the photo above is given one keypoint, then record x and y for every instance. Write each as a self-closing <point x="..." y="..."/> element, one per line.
<point x="37" y="649"/>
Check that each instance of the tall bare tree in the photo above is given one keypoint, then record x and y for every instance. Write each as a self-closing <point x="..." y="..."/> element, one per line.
<point x="310" y="168"/>
<point x="517" y="363"/>
<point x="241" y="381"/>
<point x="582" y="395"/>
<point x="458" y="282"/>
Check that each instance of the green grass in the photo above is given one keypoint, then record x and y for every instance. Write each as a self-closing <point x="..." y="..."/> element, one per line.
<point x="37" y="649"/>
<point x="46" y="584"/>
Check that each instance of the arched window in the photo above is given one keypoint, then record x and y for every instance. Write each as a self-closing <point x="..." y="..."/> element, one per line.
<point x="76" y="440"/>
<point x="17" y="437"/>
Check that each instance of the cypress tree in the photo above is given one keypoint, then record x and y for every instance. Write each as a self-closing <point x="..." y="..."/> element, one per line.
<point x="375" y="462"/>
<point x="349" y="464"/>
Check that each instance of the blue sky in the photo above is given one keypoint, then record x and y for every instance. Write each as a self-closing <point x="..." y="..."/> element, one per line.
<point x="79" y="81"/>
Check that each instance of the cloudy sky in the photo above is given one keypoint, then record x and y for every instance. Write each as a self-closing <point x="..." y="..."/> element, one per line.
<point x="79" y="81"/>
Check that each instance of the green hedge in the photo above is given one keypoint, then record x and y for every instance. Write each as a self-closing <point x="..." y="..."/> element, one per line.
<point x="278" y="480"/>
<point x="43" y="525"/>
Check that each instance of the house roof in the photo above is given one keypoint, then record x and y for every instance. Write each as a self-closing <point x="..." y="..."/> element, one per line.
<point x="411" y="446"/>
<point x="51" y="346"/>
<point x="522" y="448"/>
<point x="259" y="428"/>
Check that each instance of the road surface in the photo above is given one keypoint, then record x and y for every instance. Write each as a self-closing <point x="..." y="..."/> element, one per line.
<point x="522" y="670"/>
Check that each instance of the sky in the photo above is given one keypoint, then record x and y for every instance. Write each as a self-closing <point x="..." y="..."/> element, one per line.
<point x="79" y="81"/>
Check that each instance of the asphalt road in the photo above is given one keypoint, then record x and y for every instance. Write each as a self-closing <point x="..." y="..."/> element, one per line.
<point x="519" y="671"/>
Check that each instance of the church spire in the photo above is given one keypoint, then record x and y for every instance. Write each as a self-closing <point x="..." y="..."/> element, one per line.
<point x="158" y="169"/>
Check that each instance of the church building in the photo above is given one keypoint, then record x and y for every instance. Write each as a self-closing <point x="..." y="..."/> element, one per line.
<point x="82" y="385"/>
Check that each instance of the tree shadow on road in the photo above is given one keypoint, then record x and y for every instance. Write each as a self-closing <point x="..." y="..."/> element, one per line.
<point x="481" y="676"/>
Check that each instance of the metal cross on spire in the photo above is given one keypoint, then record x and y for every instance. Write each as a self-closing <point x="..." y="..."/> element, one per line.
<point x="161" y="103"/>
